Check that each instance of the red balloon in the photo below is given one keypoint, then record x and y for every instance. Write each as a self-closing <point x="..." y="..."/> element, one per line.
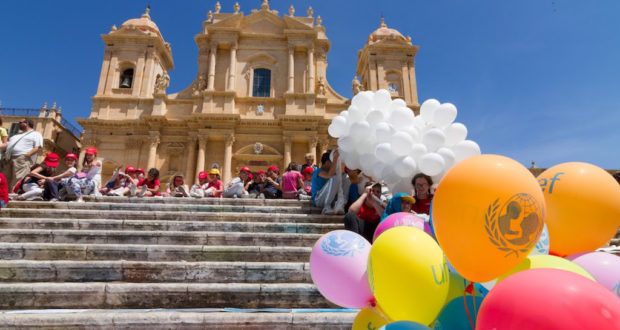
<point x="549" y="299"/>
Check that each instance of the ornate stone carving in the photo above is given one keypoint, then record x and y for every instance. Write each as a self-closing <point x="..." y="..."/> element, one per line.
<point x="310" y="12"/>
<point x="236" y="8"/>
<point x="154" y="139"/>
<point x="217" y="7"/>
<point x="209" y="16"/>
<point x="291" y="10"/>
<point x="312" y="141"/>
<point x="260" y="109"/>
<point x="161" y="83"/>
<point x="230" y="139"/>
<point x="201" y="84"/>
<point x="264" y="5"/>
<point x="320" y="88"/>
<point x="319" y="20"/>
<point x="356" y="86"/>
<point x="258" y="148"/>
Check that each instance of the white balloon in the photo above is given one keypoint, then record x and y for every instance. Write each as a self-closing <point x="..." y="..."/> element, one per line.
<point x="428" y="108"/>
<point x="356" y="114"/>
<point x="338" y="127"/>
<point x="367" y="162"/>
<point x="401" y="143"/>
<point x="444" y="115"/>
<point x="403" y="186"/>
<point x="359" y="130"/>
<point x="381" y="99"/>
<point x="344" y="114"/>
<point x="417" y="151"/>
<point x="346" y="144"/>
<point x="375" y="117"/>
<point x="419" y="122"/>
<point x="383" y="132"/>
<point x="448" y="157"/>
<point x="365" y="146"/>
<point x="362" y="101"/>
<point x="437" y="178"/>
<point x="377" y="170"/>
<point x="465" y="149"/>
<point x="397" y="103"/>
<point x="389" y="176"/>
<point x="434" y="138"/>
<point x="413" y="132"/>
<point x="431" y="164"/>
<point x="384" y="153"/>
<point x="455" y="133"/>
<point x="352" y="161"/>
<point x="401" y="117"/>
<point x="405" y="167"/>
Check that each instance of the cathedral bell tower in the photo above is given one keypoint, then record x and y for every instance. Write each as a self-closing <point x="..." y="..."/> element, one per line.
<point x="387" y="61"/>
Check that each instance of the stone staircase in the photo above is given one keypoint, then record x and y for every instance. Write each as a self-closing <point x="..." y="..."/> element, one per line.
<point x="117" y="262"/>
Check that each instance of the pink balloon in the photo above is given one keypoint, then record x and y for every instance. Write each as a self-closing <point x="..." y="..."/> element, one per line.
<point x="605" y="268"/>
<point x="401" y="219"/>
<point x="545" y="298"/>
<point x="338" y="267"/>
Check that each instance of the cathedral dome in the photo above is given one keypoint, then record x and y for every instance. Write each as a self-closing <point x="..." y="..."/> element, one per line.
<point x="383" y="32"/>
<point x="143" y="23"/>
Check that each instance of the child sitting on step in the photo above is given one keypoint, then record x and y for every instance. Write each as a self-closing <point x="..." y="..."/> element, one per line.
<point x="236" y="187"/>
<point x="33" y="184"/>
<point x="86" y="181"/>
<point x="215" y="187"/>
<point x="176" y="187"/>
<point x="149" y="187"/>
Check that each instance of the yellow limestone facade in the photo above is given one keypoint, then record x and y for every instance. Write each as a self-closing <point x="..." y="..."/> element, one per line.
<point x="260" y="96"/>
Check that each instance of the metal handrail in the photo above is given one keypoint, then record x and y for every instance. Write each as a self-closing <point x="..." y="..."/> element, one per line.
<point x="33" y="112"/>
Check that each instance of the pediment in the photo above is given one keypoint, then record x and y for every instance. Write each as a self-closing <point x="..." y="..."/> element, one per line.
<point x="263" y="22"/>
<point x="262" y="57"/>
<point x="293" y="24"/>
<point x="231" y="21"/>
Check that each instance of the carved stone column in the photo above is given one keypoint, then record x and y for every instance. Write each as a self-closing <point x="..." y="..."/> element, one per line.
<point x="154" y="139"/>
<point x="190" y="174"/>
<point x="212" y="56"/>
<point x="312" y="142"/>
<point x="230" y="139"/>
<point x="291" y="69"/>
<point x="202" y="149"/>
<point x="310" y="87"/>
<point x="287" y="151"/>
<point x="233" y="68"/>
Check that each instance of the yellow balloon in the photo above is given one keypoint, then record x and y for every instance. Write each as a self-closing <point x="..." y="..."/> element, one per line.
<point x="456" y="288"/>
<point x="583" y="207"/>
<point x="545" y="261"/>
<point x="368" y="318"/>
<point x="408" y="275"/>
<point x="488" y="215"/>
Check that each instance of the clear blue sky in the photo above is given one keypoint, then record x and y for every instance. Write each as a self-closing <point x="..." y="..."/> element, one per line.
<point x="532" y="79"/>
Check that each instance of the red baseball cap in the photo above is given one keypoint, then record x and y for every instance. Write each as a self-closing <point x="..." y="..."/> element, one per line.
<point x="309" y="170"/>
<point x="140" y="170"/>
<point x="202" y="175"/>
<point x="51" y="159"/>
<point x="245" y="169"/>
<point x="72" y="156"/>
<point x="260" y="172"/>
<point x="129" y="169"/>
<point x="250" y="175"/>
<point x="91" y="150"/>
<point x="273" y="168"/>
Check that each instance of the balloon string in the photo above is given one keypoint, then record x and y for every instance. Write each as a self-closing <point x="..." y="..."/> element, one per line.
<point x="372" y="304"/>
<point x="468" y="289"/>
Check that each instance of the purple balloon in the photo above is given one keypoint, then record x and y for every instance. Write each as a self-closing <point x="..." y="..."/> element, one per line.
<point x="402" y="219"/>
<point x="605" y="268"/>
<point x="338" y="267"/>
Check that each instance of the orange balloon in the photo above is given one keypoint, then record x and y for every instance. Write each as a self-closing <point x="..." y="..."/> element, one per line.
<point x="488" y="213"/>
<point x="583" y="207"/>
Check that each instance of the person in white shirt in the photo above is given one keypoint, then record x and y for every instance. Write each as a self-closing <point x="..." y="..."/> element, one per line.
<point x="22" y="149"/>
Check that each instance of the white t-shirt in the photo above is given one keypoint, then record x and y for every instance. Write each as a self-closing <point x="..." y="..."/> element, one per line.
<point x="23" y="145"/>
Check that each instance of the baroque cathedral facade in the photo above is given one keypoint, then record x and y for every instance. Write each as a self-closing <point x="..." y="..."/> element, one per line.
<point x="260" y="97"/>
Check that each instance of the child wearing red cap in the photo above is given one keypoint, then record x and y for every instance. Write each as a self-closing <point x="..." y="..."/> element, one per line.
<point x="272" y="189"/>
<point x="33" y="184"/>
<point x="88" y="179"/>
<point x="255" y="189"/>
<point x="235" y="188"/>
<point x="149" y="187"/>
<point x="198" y="189"/>
<point x="292" y="181"/>
<point x="4" y="191"/>
<point x="306" y="192"/>
<point x="56" y="183"/>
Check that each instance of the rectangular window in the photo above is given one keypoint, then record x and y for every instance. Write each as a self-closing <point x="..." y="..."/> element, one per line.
<point x="261" y="83"/>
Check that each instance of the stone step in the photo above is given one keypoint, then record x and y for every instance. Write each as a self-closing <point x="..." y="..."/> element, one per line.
<point x="156" y="237"/>
<point x="159" y="295"/>
<point x="155" y="207"/>
<point x="138" y="272"/>
<point x="168" y="215"/>
<point x="163" y="225"/>
<point x="135" y="252"/>
<point x="177" y="319"/>
<point x="198" y="201"/>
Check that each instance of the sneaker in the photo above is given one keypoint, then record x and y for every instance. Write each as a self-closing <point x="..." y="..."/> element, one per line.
<point x="305" y="197"/>
<point x="182" y="190"/>
<point x="143" y="191"/>
<point x="132" y="190"/>
<point x="235" y="196"/>
<point x="79" y="200"/>
<point x="54" y="200"/>
<point x="261" y="196"/>
<point x="327" y="210"/>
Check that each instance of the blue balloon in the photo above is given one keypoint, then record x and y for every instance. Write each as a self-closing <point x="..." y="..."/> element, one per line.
<point x="453" y="316"/>
<point x="404" y="325"/>
<point x="430" y="219"/>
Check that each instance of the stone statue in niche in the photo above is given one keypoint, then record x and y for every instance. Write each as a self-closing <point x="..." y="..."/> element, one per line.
<point x="161" y="83"/>
<point x="201" y="84"/>
<point x="260" y="109"/>
<point x="320" y="89"/>
<point x="356" y="86"/>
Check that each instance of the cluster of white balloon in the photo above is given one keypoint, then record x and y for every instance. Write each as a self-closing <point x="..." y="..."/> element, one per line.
<point x="385" y="139"/>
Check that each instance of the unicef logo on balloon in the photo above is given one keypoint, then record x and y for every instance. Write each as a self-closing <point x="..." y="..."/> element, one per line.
<point x="343" y="243"/>
<point x="514" y="227"/>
